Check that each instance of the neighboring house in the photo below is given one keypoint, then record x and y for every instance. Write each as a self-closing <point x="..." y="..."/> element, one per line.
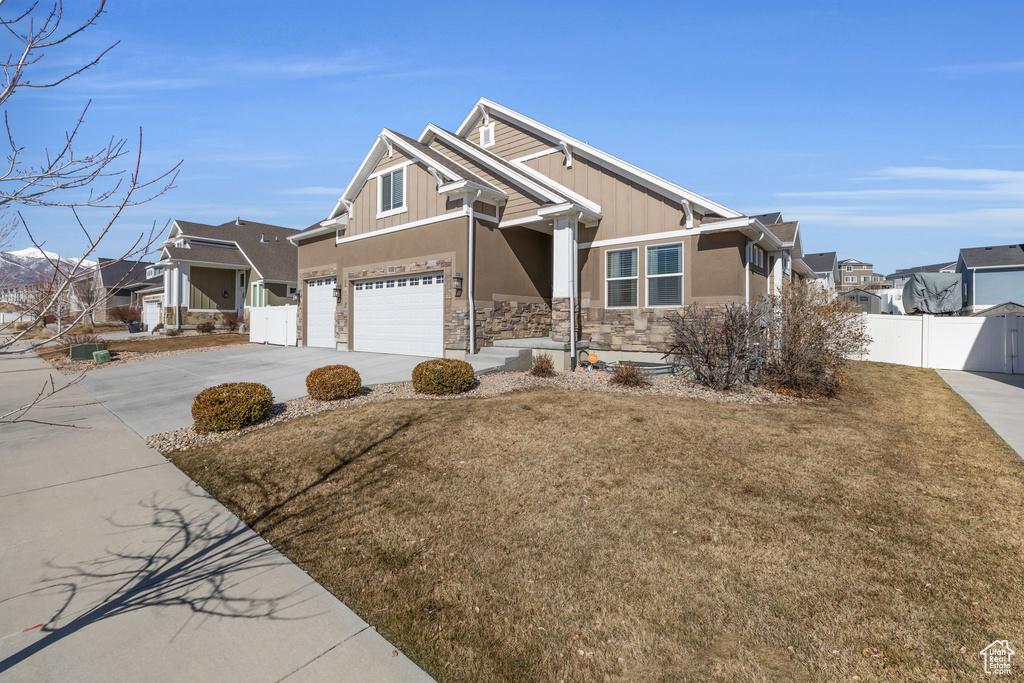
<point x="112" y="284"/>
<point x="902" y="275"/>
<point x="854" y="274"/>
<point x="492" y="234"/>
<point x="211" y="270"/>
<point x="991" y="276"/>
<point x="1009" y="308"/>
<point x="869" y="302"/>
<point x="825" y="266"/>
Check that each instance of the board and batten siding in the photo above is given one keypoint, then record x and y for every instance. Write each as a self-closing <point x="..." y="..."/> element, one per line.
<point x="207" y="287"/>
<point x="421" y="198"/>
<point x="518" y="204"/>
<point x="510" y="141"/>
<point x="628" y="209"/>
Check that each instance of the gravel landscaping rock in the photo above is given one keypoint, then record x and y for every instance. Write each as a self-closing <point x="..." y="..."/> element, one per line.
<point x="487" y="385"/>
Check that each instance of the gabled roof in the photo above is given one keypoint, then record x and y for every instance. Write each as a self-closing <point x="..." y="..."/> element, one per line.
<point x="416" y="151"/>
<point x="263" y="246"/>
<point x="1008" y="255"/>
<point x="853" y="261"/>
<point x="848" y="292"/>
<point x="120" y="273"/>
<point x="625" y="168"/>
<point x="932" y="268"/>
<point x="769" y="218"/>
<point x="786" y="232"/>
<point x="825" y="262"/>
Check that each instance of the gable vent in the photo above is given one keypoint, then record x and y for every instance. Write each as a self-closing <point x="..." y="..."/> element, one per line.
<point x="487" y="135"/>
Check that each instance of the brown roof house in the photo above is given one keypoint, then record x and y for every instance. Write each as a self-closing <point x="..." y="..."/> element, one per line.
<point x="211" y="270"/>
<point x="491" y="236"/>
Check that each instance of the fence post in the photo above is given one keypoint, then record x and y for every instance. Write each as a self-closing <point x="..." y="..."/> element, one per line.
<point x="926" y="337"/>
<point x="1012" y="342"/>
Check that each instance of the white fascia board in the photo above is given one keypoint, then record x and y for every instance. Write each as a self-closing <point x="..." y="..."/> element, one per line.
<point x="363" y="170"/>
<point x="803" y="268"/>
<point x="568" y="209"/>
<point x="481" y="156"/>
<point x="562" y="189"/>
<point x="751" y="227"/>
<point x="314" y="232"/>
<point x="627" y="169"/>
<point x="251" y="264"/>
<point x="205" y="239"/>
<point x="464" y="186"/>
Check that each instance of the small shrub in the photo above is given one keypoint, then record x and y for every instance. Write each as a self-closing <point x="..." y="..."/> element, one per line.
<point x="442" y="377"/>
<point x="173" y="332"/>
<point x="206" y="327"/>
<point x="543" y="366"/>
<point x="333" y="383"/>
<point x="628" y="374"/>
<point x="69" y="340"/>
<point x="123" y="313"/>
<point x="232" y="321"/>
<point x="231" y="406"/>
<point x="158" y="327"/>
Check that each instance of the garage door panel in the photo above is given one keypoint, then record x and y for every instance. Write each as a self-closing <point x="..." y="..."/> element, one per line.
<point x="403" y="315"/>
<point x="320" y="310"/>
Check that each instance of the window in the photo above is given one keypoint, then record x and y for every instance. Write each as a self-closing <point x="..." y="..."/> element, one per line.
<point x="864" y="278"/>
<point x="755" y="255"/>
<point x="620" y="278"/>
<point x="849" y="269"/>
<point x="241" y="279"/>
<point x="665" y="275"/>
<point x="849" y="278"/>
<point x="391" y="188"/>
<point x="487" y="135"/>
<point x="259" y="294"/>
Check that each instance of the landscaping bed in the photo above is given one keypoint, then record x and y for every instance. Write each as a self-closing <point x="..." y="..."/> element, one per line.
<point x="487" y="385"/>
<point x="133" y="350"/>
<point x="550" y="534"/>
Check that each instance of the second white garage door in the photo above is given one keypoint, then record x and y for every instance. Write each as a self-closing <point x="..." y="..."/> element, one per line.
<point x="402" y="314"/>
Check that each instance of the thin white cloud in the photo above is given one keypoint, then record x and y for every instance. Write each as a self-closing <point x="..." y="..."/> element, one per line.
<point x="983" y="184"/>
<point x="942" y="173"/>
<point x="979" y="68"/>
<point x="315" y="191"/>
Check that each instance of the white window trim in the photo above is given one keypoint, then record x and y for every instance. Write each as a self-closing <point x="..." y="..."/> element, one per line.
<point x="616" y="279"/>
<point x="648" y="276"/>
<point x="755" y="255"/>
<point x="252" y="291"/>
<point x="490" y="130"/>
<point x="380" y="188"/>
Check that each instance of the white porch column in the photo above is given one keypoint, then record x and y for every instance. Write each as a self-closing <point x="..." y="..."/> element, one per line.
<point x="563" y="283"/>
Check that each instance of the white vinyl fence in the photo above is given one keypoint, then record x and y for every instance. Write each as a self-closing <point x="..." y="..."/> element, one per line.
<point x="12" y="317"/>
<point x="273" y="325"/>
<point x="927" y="341"/>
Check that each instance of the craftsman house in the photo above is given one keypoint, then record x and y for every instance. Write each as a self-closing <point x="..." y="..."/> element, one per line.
<point x="211" y="270"/>
<point x="490" y="235"/>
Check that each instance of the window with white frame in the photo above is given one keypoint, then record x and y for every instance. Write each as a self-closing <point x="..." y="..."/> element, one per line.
<point x="621" y="278"/>
<point x="755" y="255"/>
<point x="259" y="294"/>
<point x="849" y="278"/>
<point x="864" y="278"/>
<point x="487" y="135"/>
<point x="391" y="188"/>
<point x="849" y="269"/>
<point x="665" y="275"/>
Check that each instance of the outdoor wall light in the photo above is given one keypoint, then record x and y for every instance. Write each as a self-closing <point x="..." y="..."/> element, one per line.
<point x="337" y="292"/>
<point x="225" y="294"/>
<point x="457" y="281"/>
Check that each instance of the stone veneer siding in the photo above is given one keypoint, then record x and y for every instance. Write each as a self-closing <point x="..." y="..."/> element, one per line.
<point x="311" y="274"/>
<point x="634" y="329"/>
<point x="503" y="320"/>
<point x="191" y="317"/>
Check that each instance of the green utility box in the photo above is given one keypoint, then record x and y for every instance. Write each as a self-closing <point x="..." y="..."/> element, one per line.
<point x="99" y="357"/>
<point x="84" y="351"/>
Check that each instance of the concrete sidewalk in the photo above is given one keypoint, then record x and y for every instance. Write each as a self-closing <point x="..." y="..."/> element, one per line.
<point x="999" y="398"/>
<point x="117" y="567"/>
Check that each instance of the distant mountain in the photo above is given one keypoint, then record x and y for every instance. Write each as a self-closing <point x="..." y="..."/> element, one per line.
<point x="26" y="266"/>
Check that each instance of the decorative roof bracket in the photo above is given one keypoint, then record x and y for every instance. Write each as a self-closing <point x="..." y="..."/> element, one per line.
<point x="567" y="151"/>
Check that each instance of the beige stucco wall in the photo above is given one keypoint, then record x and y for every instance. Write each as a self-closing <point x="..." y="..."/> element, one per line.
<point x="511" y="263"/>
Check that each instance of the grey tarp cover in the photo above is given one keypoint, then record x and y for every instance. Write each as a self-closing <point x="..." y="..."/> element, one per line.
<point x="932" y="293"/>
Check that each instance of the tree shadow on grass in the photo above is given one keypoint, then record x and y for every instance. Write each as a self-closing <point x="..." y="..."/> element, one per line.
<point x="202" y="558"/>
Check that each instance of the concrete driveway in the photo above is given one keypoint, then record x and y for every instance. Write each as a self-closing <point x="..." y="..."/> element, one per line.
<point x="998" y="398"/>
<point x="156" y="395"/>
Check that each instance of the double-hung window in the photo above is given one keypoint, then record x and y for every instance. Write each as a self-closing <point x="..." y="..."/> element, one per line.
<point x="391" y="188"/>
<point x="665" y="275"/>
<point x="755" y="255"/>
<point x="621" y="278"/>
<point x="259" y="294"/>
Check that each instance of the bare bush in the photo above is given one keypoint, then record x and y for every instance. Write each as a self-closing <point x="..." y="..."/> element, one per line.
<point x="232" y="321"/>
<point x="811" y="340"/>
<point x="172" y="332"/>
<point x="628" y="374"/>
<point x="206" y="327"/>
<point x="69" y="340"/>
<point x="124" y="313"/>
<point x="717" y="344"/>
<point x="543" y="366"/>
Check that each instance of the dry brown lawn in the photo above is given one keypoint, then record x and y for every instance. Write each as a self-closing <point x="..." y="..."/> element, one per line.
<point x="548" y="535"/>
<point x="157" y="344"/>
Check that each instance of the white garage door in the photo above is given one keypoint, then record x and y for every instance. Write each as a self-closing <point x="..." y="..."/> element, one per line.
<point x="320" y="307"/>
<point x="151" y="314"/>
<point x="402" y="314"/>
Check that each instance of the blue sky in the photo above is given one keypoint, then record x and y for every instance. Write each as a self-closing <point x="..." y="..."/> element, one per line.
<point x="891" y="130"/>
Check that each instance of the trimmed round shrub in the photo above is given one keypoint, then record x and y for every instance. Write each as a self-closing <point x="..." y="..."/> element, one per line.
<point x="231" y="406"/>
<point x="333" y="383"/>
<point x="442" y="377"/>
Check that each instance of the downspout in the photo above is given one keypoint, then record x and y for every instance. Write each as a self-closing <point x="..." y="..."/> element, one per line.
<point x="574" y="265"/>
<point x="469" y="272"/>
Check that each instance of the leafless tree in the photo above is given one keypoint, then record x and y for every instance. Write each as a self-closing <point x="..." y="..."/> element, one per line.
<point x="62" y="177"/>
